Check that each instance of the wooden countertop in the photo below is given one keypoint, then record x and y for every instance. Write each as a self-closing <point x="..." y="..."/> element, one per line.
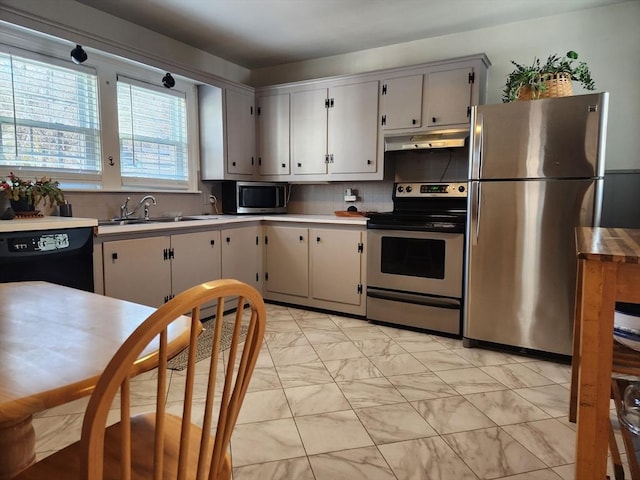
<point x="620" y="245"/>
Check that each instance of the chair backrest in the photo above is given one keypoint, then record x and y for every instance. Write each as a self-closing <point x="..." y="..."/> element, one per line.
<point x="159" y="445"/>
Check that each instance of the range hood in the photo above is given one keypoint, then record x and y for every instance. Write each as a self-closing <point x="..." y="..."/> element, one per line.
<point x="445" y="139"/>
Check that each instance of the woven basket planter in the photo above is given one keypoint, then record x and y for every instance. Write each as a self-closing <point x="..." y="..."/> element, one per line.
<point x="558" y="85"/>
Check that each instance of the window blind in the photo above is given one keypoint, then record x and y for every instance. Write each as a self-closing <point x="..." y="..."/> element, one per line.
<point x="152" y="126"/>
<point x="48" y="116"/>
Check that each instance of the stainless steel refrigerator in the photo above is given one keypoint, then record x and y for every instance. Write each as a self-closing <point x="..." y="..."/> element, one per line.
<point x="536" y="172"/>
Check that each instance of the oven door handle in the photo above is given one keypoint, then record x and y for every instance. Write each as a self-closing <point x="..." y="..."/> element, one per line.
<point x="437" y="302"/>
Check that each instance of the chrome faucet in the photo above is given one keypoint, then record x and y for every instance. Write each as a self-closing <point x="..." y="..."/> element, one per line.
<point x="124" y="209"/>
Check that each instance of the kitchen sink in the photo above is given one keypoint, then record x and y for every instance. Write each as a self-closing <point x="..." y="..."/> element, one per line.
<point x="142" y="221"/>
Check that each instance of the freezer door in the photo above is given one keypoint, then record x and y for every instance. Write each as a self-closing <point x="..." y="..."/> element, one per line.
<point x="521" y="261"/>
<point x="550" y="138"/>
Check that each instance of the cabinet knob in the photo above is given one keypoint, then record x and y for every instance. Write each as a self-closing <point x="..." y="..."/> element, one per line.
<point x="213" y="242"/>
<point x="301" y="238"/>
<point x="317" y="239"/>
<point x="369" y="162"/>
<point x="228" y="239"/>
<point x="299" y="165"/>
<point x="114" y="256"/>
<point x="413" y="121"/>
<point x="284" y="165"/>
<point x="233" y="163"/>
<point x="433" y="119"/>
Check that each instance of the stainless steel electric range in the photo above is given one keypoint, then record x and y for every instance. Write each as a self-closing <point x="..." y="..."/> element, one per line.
<point x="415" y="258"/>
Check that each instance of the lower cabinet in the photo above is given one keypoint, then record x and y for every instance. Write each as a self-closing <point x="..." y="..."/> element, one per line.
<point x="298" y="264"/>
<point x="241" y="254"/>
<point x="316" y="267"/>
<point x="151" y="270"/>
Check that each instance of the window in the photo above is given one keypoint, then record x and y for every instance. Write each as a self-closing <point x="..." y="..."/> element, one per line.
<point x="107" y="124"/>
<point x="48" y="116"/>
<point x="152" y="127"/>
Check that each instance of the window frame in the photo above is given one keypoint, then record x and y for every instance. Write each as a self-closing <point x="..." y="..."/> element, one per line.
<point x="107" y="68"/>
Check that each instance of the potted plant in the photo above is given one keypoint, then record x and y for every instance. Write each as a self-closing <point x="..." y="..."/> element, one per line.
<point x="25" y="195"/>
<point x="551" y="79"/>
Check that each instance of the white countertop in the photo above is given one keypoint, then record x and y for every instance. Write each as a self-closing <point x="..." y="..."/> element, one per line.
<point x="221" y="220"/>
<point x="45" y="223"/>
<point x="52" y="223"/>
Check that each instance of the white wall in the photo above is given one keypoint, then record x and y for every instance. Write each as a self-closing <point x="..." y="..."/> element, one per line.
<point x="607" y="38"/>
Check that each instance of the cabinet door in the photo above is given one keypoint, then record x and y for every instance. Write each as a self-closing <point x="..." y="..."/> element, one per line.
<point x="196" y="259"/>
<point x="287" y="260"/>
<point x="241" y="254"/>
<point x="309" y="132"/>
<point x="401" y="102"/>
<point x="353" y="128"/>
<point x="138" y="270"/>
<point x="336" y="265"/>
<point x="240" y="132"/>
<point x="273" y="135"/>
<point x="448" y="97"/>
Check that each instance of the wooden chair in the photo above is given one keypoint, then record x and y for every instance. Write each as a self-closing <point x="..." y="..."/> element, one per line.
<point x="159" y="445"/>
<point x="625" y="362"/>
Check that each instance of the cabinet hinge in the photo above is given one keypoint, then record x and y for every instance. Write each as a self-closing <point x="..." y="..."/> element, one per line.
<point x="472" y="77"/>
<point x="383" y="121"/>
<point x="259" y="110"/>
<point x="266" y="276"/>
<point x="326" y="103"/>
<point x="360" y="288"/>
<point x="168" y="297"/>
<point x="171" y="254"/>
<point x="326" y="158"/>
<point x="165" y="254"/>
<point x="331" y="102"/>
<point x="384" y="89"/>
<point x="252" y="161"/>
<point x="266" y="240"/>
<point x="331" y="158"/>
<point x="257" y="277"/>
<point x="257" y="240"/>
<point x="360" y="247"/>
<point x="260" y="161"/>
<point x="468" y="111"/>
<point x="251" y="110"/>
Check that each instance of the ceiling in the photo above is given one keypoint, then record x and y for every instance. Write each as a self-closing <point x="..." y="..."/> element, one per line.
<point x="262" y="33"/>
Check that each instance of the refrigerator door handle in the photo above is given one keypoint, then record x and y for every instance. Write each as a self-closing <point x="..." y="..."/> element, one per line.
<point x="476" y="196"/>
<point x="478" y="144"/>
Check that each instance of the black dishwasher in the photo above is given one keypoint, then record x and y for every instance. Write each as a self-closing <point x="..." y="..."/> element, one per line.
<point x="63" y="256"/>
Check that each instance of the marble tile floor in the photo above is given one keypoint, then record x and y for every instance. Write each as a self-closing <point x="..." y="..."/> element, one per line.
<point x="337" y="398"/>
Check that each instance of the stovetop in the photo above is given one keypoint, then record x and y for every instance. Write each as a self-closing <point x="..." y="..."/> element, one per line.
<point x="433" y="207"/>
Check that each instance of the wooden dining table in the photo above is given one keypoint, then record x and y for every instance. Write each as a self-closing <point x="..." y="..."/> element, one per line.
<point x="609" y="272"/>
<point x="55" y="342"/>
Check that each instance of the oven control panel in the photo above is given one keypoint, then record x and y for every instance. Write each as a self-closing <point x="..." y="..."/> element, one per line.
<point x="406" y="190"/>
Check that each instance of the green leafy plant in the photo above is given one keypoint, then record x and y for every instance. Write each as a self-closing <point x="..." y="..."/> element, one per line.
<point x="535" y="75"/>
<point x="33" y="191"/>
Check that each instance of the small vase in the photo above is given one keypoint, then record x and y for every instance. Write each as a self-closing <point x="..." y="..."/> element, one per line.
<point x="22" y="205"/>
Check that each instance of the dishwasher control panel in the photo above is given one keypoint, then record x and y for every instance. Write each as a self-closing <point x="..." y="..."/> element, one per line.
<point x="39" y="243"/>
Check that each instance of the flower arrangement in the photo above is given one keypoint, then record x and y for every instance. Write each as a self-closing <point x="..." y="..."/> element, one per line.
<point x="535" y="76"/>
<point x="32" y="191"/>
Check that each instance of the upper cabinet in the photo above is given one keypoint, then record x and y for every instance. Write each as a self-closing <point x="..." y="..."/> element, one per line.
<point x="401" y="102"/>
<point x="240" y="132"/>
<point x="273" y="135"/>
<point x="448" y="97"/>
<point x="334" y="131"/>
<point x="227" y="133"/>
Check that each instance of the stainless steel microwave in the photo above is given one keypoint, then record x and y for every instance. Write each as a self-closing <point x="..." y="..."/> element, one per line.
<point x="253" y="197"/>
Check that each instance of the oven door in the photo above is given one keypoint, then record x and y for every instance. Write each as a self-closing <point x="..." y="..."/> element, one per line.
<point x="418" y="262"/>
